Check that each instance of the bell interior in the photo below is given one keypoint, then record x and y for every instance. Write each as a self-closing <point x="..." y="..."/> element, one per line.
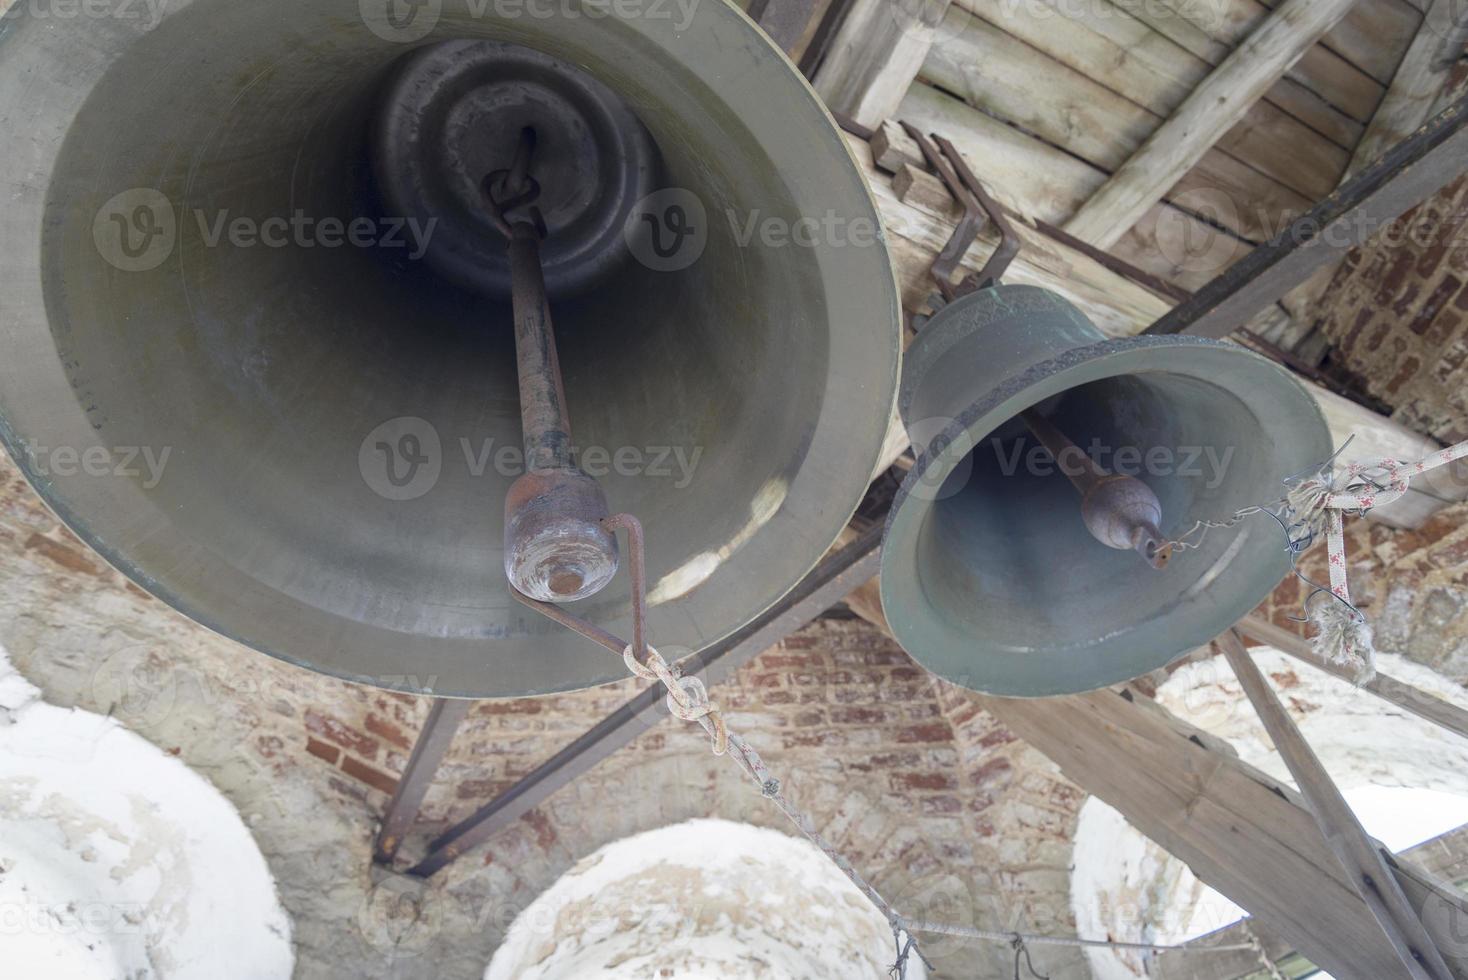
<point x="1008" y="501"/>
<point x="266" y="370"/>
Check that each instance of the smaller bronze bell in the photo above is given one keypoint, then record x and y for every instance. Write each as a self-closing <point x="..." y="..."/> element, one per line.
<point x="993" y="576"/>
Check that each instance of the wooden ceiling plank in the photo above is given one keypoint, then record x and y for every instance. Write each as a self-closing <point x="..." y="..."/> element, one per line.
<point x="1131" y="58"/>
<point x="1048" y="183"/>
<point x="1278" y="163"/>
<point x="1418" y="88"/>
<point x="1371" y="37"/>
<point x="875" y="56"/>
<point x="1216" y="104"/>
<point x="1321" y="71"/>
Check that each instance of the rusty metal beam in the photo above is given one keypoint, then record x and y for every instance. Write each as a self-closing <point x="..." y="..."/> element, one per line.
<point x="1406" y="175"/>
<point x="830" y="581"/>
<point x="1366" y="867"/>
<point x="433" y="742"/>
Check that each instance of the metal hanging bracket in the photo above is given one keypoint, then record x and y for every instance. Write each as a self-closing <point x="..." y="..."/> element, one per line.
<point x="979" y="209"/>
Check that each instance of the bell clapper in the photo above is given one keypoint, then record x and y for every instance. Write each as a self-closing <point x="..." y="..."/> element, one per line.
<point x="559" y="546"/>
<point x="1121" y="512"/>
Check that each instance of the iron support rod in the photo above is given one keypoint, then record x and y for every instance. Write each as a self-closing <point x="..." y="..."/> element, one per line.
<point x="1359" y="855"/>
<point x="1428" y="707"/>
<point x="830" y="582"/>
<point x="428" y="752"/>
<point x="1407" y="174"/>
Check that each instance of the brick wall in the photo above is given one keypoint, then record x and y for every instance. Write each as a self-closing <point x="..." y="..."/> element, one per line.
<point x="1397" y="316"/>
<point x="1412" y="585"/>
<point x="947" y="813"/>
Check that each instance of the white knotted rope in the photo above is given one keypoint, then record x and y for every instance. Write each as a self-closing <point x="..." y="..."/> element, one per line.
<point x="1343" y="636"/>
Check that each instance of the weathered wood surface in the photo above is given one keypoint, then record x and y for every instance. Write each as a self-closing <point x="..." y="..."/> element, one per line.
<point x="1129" y="57"/>
<point x="1399" y="926"/>
<point x="1417" y="89"/>
<point x="1049" y="184"/>
<point x="1216" y="104"/>
<point x="875" y="56"/>
<point x="1237" y="828"/>
<point x="1046" y="87"/>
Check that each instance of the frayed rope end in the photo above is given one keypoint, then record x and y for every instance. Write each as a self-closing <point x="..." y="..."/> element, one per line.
<point x="1343" y="637"/>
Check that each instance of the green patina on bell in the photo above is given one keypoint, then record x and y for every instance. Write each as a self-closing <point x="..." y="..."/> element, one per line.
<point x="990" y="577"/>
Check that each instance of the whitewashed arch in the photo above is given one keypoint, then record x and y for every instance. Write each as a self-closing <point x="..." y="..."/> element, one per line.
<point x="117" y="860"/>
<point x="703" y="899"/>
<point x="1406" y="778"/>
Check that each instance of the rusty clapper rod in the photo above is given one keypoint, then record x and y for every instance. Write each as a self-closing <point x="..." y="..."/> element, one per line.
<point x="560" y="543"/>
<point x="1121" y="512"/>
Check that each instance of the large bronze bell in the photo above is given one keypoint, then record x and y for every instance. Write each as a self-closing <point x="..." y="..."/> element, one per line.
<point x="999" y="576"/>
<point x="256" y="331"/>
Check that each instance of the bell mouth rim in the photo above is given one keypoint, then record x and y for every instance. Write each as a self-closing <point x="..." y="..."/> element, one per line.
<point x="865" y="342"/>
<point x="900" y="585"/>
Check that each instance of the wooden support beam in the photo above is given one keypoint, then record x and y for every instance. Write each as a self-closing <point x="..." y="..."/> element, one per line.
<point x="1399" y="923"/>
<point x="1428" y="707"/>
<point x="875" y="56"/>
<point x="1129" y="57"/>
<point x="1238" y="829"/>
<point x="1444" y="856"/>
<point x="1413" y="170"/>
<point x="1219" y="102"/>
<point x="1418" y="88"/>
<point x="1270" y="159"/>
